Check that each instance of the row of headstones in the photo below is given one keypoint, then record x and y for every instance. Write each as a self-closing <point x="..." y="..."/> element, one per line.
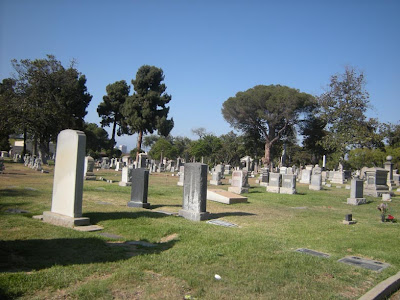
<point x="66" y="206"/>
<point x="33" y="162"/>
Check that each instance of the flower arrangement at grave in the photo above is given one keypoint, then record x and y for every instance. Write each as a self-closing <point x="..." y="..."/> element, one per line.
<point x="383" y="208"/>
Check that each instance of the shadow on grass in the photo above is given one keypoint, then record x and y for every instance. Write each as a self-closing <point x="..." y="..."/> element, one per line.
<point x="103" y="216"/>
<point x="17" y="193"/>
<point x="164" y="205"/>
<point x="28" y="255"/>
<point x="228" y="214"/>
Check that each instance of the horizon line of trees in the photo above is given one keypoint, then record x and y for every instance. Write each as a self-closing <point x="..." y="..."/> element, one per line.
<point x="43" y="98"/>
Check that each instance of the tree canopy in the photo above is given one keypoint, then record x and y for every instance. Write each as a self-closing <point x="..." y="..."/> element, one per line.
<point x="343" y="107"/>
<point x="268" y="111"/>
<point x="110" y="109"/>
<point x="50" y="98"/>
<point x="146" y="110"/>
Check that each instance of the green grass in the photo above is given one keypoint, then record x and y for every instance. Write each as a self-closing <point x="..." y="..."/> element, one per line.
<point x="256" y="260"/>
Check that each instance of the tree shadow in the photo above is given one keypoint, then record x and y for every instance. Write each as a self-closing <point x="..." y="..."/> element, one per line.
<point x="17" y="192"/>
<point x="96" y="217"/>
<point x="28" y="255"/>
<point x="228" y="214"/>
<point x="164" y="205"/>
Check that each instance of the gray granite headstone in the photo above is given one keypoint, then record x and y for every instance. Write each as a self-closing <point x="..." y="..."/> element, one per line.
<point x="274" y="182"/>
<point x="316" y="182"/>
<point x="139" y="190"/>
<point x="288" y="184"/>
<point x="195" y="192"/>
<point x="356" y="192"/>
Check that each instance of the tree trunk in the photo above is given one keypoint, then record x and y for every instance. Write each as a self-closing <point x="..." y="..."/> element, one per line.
<point x="113" y="134"/>
<point x="43" y="150"/>
<point x="267" y="154"/>
<point x="139" y="145"/>
<point x="24" y="150"/>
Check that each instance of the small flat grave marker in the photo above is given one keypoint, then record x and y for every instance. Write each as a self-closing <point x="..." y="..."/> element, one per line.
<point x="104" y="203"/>
<point x="16" y="211"/>
<point x="364" y="263"/>
<point x="222" y="223"/>
<point x="300" y="207"/>
<point x="312" y="252"/>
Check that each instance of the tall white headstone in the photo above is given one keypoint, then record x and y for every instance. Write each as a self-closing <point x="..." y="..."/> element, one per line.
<point x="66" y="204"/>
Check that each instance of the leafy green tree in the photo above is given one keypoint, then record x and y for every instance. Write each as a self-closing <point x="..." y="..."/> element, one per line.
<point x="313" y="132"/>
<point x="96" y="139"/>
<point x="149" y="140"/>
<point x="182" y="145"/>
<point x="343" y="108"/>
<point x="270" y="111"/>
<point x="146" y="110"/>
<point x="391" y="133"/>
<point x="233" y="147"/>
<point x="165" y="147"/>
<point x="50" y="98"/>
<point x="8" y="114"/>
<point x="208" y="147"/>
<point x="110" y="109"/>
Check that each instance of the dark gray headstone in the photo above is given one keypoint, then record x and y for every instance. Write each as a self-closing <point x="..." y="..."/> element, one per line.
<point x="348" y="217"/>
<point x="195" y="192"/>
<point x="364" y="263"/>
<point x="139" y="190"/>
<point x="312" y="252"/>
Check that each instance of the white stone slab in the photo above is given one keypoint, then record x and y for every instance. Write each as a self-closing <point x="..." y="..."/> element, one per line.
<point x="222" y="196"/>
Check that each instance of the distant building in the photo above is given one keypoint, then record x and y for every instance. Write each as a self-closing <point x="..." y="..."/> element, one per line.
<point x="123" y="148"/>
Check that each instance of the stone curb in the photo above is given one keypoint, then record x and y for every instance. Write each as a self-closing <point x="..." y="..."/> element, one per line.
<point x="383" y="289"/>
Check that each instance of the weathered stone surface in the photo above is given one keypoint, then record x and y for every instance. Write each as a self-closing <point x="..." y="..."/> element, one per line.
<point x="222" y="196"/>
<point x="364" y="263"/>
<point x="312" y="252"/>
<point x="66" y="205"/>
<point x="356" y="192"/>
<point x="316" y="182"/>
<point x="238" y="179"/>
<point x="195" y="192"/>
<point x="288" y="184"/>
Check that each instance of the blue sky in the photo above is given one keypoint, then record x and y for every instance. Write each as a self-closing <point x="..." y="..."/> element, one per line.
<point x="210" y="50"/>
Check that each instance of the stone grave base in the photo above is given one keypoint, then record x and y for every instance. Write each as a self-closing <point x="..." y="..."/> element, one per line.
<point x="273" y="189"/>
<point x="193" y="215"/>
<point x="225" y="197"/>
<point x="349" y="222"/>
<point x="90" y="177"/>
<point x="314" y="187"/>
<point x="356" y="201"/>
<point x="122" y="183"/>
<point x="215" y="182"/>
<point x="264" y="184"/>
<point x="138" y="204"/>
<point x="288" y="191"/>
<point x="65" y="221"/>
<point x="238" y="190"/>
<point x="377" y="192"/>
<point x="179" y="183"/>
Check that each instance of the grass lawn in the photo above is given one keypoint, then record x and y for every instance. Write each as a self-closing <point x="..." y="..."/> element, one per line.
<point x="255" y="260"/>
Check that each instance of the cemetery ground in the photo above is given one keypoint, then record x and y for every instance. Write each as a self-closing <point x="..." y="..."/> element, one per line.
<point x="178" y="258"/>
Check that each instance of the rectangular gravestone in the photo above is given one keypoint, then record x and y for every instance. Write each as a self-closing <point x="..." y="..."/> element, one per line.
<point x="316" y="182"/>
<point x="288" y="184"/>
<point x="305" y="176"/>
<point x="140" y="187"/>
<point x="238" y="179"/>
<point x="126" y="179"/>
<point x="274" y="182"/>
<point x="312" y="252"/>
<point x="195" y="192"/>
<point x="364" y="263"/>
<point x="66" y="204"/>
<point x="356" y="192"/>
